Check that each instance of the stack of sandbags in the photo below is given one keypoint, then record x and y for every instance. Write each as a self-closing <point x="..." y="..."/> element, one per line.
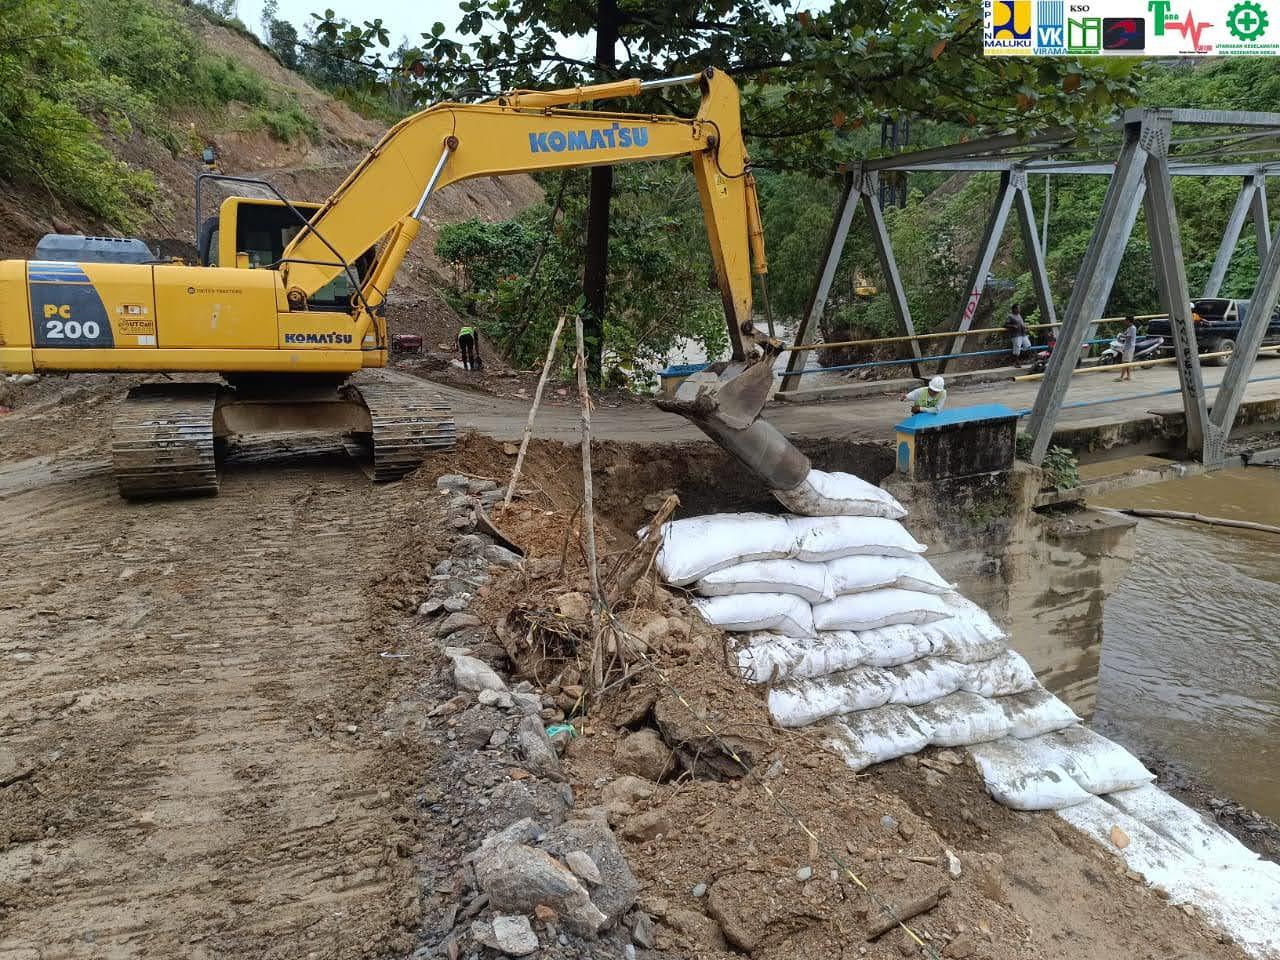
<point x="843" y="622"/>
<point x="847" y="624"/>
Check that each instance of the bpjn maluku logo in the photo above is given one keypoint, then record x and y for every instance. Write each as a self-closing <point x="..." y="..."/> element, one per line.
<point x="1006" y="27"/>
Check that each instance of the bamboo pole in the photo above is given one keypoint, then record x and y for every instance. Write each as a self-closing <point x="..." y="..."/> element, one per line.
<point x="949" y="333"/>
<point x="1201" y="518"/>
<point x="533" y="412"/>
<point x="588" y="511"/>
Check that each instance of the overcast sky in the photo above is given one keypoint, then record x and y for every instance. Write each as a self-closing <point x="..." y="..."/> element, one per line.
<point x="403" y="18"/>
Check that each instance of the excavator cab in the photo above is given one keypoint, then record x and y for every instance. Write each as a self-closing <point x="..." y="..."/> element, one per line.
<point x="261" y="230"/>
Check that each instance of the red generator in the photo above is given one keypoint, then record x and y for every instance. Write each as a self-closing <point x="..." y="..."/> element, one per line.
<point x="406" y="343"/>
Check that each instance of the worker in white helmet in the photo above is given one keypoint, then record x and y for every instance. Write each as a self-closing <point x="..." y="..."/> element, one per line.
<point x="930" y="399"/>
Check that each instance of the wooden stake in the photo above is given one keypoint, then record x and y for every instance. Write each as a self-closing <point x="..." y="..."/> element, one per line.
<point x="636" y="561"/>
<point x="588" y="512"/>
<point x="1201" y="518"/>
<point x="533" y="412"/>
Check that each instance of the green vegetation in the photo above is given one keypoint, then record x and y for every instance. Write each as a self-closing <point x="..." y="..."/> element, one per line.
<point x="661" y="289"/>
<point x="936" y="234"/>
<point x="1061" y="468"/>
<point x="74" y="70"/>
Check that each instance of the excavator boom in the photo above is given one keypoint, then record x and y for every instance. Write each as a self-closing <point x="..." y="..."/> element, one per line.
<point x="525" y="132"/>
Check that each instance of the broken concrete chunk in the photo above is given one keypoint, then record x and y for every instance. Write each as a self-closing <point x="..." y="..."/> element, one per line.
<point x="529" y="704"/>
<point x="495" y="698"/>
<point x="537" y="747"/>
<point x="582" y="840"/>
<point x="455" y="622"/>
<point x="501" y="556"/>
<point x="472" y="674"/>
<point x="481" y="486"/>
<point x="583" y="866"/>
<point x="452" y="481"/>
<point x="518" y="878"/>
<point x="511" y="935"/>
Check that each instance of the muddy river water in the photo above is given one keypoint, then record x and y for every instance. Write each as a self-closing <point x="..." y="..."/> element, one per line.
<point x="1190" y="665"/>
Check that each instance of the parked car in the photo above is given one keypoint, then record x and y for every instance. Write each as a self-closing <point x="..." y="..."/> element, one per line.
<point x="1217" y="323"/>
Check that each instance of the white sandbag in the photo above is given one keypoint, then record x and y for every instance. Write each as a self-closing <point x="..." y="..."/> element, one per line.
<point x="960" y="719"/>
<point x="769" y="656"/>
<point x="779" y="612"/>
<point x="1097" y="764"/>
<point x="829" y="538"/>
<point x="1001" y="676"/>
<point x="802" y="701"/>
<point x="890" y="646"/>
<point x="1177" y="822"/>
<point x="696" y="546"/>
<point x="969" y="634"/>
<point x="1023" y="779"/>
<point x="1035" y="712"/>
<point x="1241" y="899"/>
<point x="823" y="494"/>
<point x="878" y="608"/>
<point x="806" y="580"/>
<point x="922" y="681"/>
<point x="859" y="574"/>
<point x="874" y="736"/>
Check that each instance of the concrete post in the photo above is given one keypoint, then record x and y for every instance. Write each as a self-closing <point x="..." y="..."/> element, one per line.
<point x="1171" y="280"/>
<point x="818" y="299"/>
<point x="1092" y="287"/>
<point x="982" y="266"/>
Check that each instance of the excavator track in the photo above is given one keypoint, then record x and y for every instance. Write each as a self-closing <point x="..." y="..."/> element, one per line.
<point x="162" y="442"/>
<point x="408" y="424"/>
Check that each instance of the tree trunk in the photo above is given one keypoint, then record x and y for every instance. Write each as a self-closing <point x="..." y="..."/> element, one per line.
<point x="595" y="273"/>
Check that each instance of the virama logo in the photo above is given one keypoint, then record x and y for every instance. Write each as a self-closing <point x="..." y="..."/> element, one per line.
<point x="1191" y="30"/>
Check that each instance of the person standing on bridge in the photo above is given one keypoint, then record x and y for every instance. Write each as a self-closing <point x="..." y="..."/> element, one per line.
<point x="1016" y="328"/>
<point x="930" y="399"/>
<point x="1128" y="344"/>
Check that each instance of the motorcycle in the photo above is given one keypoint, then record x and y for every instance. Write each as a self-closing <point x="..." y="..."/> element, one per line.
<point x="1041" y="361"/>
<point x="1145" y="349"/>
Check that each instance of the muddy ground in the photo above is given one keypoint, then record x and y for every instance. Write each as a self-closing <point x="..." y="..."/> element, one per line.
<point x="205" y="753"/>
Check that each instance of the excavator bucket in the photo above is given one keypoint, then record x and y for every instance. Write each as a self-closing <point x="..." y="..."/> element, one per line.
<point x="725" y="404"/>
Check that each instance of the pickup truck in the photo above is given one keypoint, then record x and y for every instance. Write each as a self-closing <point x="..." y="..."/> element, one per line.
<point x="1217" y="323"/>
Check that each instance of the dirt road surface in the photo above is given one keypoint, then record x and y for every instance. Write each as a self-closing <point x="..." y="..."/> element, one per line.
<point x="185" y="716"/>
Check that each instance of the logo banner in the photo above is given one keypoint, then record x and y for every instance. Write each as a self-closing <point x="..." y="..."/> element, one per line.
<point x="1131" y="28"/>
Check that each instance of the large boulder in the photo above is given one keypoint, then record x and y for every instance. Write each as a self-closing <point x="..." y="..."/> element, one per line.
<point x="644" y="754"/>
<point x="519" y="878"/>
<point x="617" y="888"/>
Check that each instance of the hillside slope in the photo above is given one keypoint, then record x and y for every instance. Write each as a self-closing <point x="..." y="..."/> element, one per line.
<point x="305" y="167"/>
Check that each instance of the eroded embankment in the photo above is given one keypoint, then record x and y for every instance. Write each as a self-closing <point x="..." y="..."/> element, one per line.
<point x="721" y="866"/>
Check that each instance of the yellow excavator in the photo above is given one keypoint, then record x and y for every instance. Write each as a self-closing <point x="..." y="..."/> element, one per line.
<point x="287" y="300"/>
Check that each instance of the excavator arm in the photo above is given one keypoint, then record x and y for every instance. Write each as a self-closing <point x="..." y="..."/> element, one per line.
<point x="384" y="197"/>
<point x="525" y="131"/>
